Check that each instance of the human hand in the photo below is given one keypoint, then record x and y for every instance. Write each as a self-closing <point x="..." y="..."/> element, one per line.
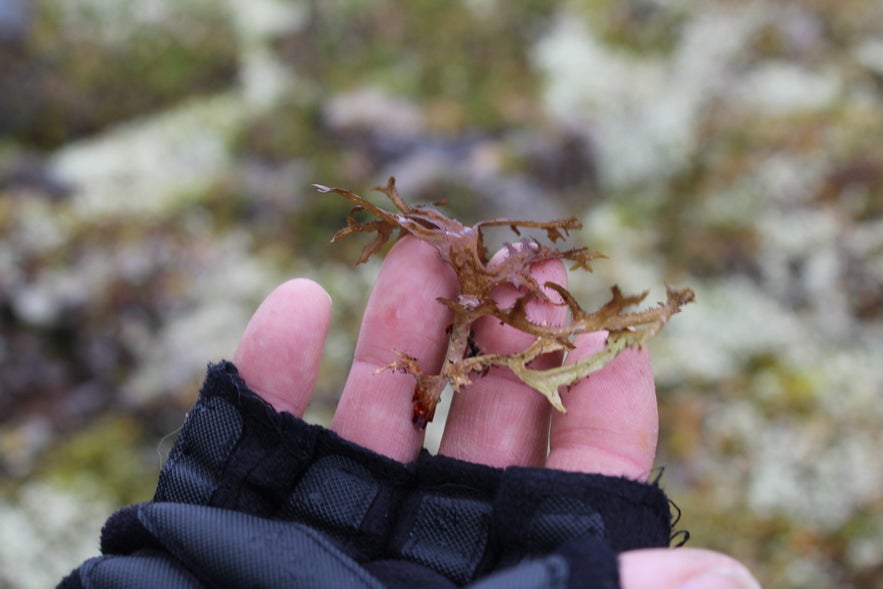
<point x="610" y="428"/>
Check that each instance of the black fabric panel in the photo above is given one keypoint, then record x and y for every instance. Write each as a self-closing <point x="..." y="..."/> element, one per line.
<point x="193" y="470"/>
<point x="558" y="519"/>
<point x="335" y="493"/>
<point x="449" y="535"/>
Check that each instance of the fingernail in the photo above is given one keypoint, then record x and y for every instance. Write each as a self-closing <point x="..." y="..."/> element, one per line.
<point x="722" y="578"/>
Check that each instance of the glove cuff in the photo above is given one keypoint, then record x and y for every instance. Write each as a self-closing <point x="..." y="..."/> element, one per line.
<point x="459" y="519"/>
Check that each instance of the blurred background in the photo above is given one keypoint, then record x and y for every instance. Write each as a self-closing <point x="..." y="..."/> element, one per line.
<point x="156" y="162"/>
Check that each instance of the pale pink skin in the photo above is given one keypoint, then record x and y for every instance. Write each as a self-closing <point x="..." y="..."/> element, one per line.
<point x="610" y="427"/>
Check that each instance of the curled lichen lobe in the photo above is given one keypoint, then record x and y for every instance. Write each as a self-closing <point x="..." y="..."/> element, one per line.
<point x="462" y="247"/>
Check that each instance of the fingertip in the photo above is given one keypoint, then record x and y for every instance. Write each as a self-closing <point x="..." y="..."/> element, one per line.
<point x="665" y="568"/>
<point x="281" y="348"/>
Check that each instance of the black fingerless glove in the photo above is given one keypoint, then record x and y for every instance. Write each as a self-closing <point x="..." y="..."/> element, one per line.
<point x="254" y="498"/>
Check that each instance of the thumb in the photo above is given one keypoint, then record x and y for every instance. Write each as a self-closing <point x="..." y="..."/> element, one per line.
<point x="682" y="568"/>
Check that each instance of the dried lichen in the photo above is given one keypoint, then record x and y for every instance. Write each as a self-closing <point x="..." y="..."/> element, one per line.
<point x="462" y="247"/>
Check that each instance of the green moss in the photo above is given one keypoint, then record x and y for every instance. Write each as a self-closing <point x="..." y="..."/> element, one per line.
<point x="291" y="130"/>
<point x="471" y="67"/>
<point x="636" y="26"/>
<point x="112" y="452"/>
<point x="67" y="81"/>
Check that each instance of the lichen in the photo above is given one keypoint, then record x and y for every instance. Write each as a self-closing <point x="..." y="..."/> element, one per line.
<point x="462" y="247"/>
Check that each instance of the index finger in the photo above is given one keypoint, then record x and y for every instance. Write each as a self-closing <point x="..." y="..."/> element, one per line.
<point x="402" y="314"/>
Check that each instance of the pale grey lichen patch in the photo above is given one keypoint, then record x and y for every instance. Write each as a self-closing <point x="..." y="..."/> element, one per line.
<point x="781" y="87"/>
<point x="644" y="111"/>
<point x="43" y="520"/>
<point x="733" y="323"/>
<point x="368" y="108"/>
<point x="114" y="23"/>
<point x="260" y="21"/>
<point x="869" y="53"/>
<point x="264" y="79"/>
<point x="145" y="168"/>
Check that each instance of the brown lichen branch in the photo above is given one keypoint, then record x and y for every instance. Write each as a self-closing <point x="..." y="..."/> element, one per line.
<point x="462" y="247"/>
